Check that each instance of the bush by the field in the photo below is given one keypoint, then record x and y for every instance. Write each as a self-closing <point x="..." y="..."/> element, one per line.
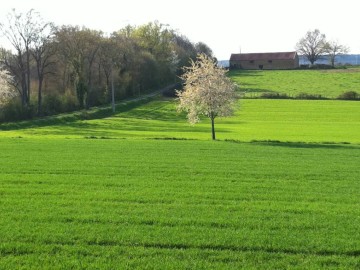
<point x="274" y="95"/>
<point x="309" y="96"/>
<point x="14" y="111"/>
<point x="349" y="95"/>
<point x="171" y="91"/>
<point x="54" y="104"/>
<point x="316" y="66"/>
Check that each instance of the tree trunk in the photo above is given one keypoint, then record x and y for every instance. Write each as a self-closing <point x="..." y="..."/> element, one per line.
<point x="24" y="94"/>
<point x="213" y="127"/>
<point x="333" y="61"/>
<point x="40" y="97"/>
<point x="112" y="93"/>
<point x="28" y="74"/>
<point x="88" y="92"/>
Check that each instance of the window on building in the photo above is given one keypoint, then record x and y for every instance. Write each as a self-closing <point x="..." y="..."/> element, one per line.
<point x="270" y="61"/>
<point x="251" y="61"/>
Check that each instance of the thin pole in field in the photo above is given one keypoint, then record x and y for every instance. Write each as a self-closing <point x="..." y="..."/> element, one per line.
<point x="112" y="90"/>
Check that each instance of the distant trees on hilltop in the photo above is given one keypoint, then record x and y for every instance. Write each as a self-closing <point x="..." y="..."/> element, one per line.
<point x="63" y="68"/>
<point x="314" y="45"/>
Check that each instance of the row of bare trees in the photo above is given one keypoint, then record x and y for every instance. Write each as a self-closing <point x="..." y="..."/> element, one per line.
<point x="81" y="63"/>
<point x="315" y="45"/>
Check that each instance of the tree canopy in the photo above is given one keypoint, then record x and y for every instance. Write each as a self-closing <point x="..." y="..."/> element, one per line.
<point x="72" y="66"/>
<point x="334" y="48"/>
<point x="312" y="45"/>
<point x="315" y="45"/>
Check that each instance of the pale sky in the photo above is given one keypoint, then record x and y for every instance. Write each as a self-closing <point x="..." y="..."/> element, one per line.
<point x="226" y="25"/>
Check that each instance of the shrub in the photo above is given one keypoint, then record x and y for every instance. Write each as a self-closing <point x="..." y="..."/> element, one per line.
<point x="55" y="103"/>
<point x="309" y="96"/>
<point x="98" y="97"/>
<point x="304" y="67"/>
<point x="321" y="66"/>
<point x="13" y="110"/>
<point x="52" y="104"/>
<point x="171" y="91"/>
<point x="349" y="95"/>
<point x="69" y="102"/>
<point x="274" y="95"/>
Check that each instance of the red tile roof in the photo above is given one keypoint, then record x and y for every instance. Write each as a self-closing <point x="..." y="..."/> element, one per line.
<point x="262" y="56"/>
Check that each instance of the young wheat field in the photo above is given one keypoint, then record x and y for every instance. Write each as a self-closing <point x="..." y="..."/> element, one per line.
<point x="142" y="189"/>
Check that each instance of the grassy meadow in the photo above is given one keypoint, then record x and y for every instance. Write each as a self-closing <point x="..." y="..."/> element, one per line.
<point x="324" y="121"/>
<point x="327" y="83"/>
<point x="161" y="204"/>
<point x="142" y="189"/>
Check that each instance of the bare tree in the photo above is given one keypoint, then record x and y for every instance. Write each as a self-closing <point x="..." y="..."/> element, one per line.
<point x="91" y="42"/>
<point x="10" y="63"/>
<point x="79" y="49"/>
<point x="334" y="48"/>
<point x="21" y="31"/>
<point x="312" y="45"/>
<point x="107" y="54"/>
<point x="207" y="91"/>
<point x="43" y="51"/>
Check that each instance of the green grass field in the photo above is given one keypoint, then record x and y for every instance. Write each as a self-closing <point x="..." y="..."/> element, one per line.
<point x="157" y="204"/>
<point x="327" y="83"/>
<point x="285" y="120"/>
<point x="142" y="189"/>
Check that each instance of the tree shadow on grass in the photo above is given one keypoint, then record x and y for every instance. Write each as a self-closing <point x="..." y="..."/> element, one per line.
<point x="258" y="90"/>
<point x="66" y="118"/>
<point x="244" y="73"/>
<point x="156" y="111"/>
<point x="324" y="145"/>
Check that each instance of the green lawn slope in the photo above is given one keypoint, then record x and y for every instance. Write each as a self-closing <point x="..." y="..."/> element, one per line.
<point x="142" y="189"/>
<point x="327" y="83"/>
<point x="321" y="121"/>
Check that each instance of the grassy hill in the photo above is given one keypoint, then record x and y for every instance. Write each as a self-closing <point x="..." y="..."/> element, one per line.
<point x="327" y="83"/>
<point x="143" y="189"/>
<point x="284" y="120"/>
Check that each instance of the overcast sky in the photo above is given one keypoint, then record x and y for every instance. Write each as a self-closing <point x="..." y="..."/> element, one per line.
<point x="226" y="25"/>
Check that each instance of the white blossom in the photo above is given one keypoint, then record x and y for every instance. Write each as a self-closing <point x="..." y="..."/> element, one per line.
<point x="6" y="90"/>
<point x="207" y="91"/>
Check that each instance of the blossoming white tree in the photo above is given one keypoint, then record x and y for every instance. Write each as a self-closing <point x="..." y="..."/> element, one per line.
<point x="6" y="91"/>
<point x="207" y="91"/>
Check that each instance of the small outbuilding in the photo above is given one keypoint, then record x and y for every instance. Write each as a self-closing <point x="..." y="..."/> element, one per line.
<point x="276" y="60"/>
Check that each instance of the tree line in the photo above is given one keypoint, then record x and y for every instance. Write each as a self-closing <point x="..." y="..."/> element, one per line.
<point x="63" y="68"/>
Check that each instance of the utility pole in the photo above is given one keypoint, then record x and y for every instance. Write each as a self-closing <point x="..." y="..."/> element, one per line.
<point x="112" y="89"/>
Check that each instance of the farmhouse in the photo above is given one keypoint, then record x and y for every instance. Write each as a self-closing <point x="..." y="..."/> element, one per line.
<point x="277" y="60"/>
